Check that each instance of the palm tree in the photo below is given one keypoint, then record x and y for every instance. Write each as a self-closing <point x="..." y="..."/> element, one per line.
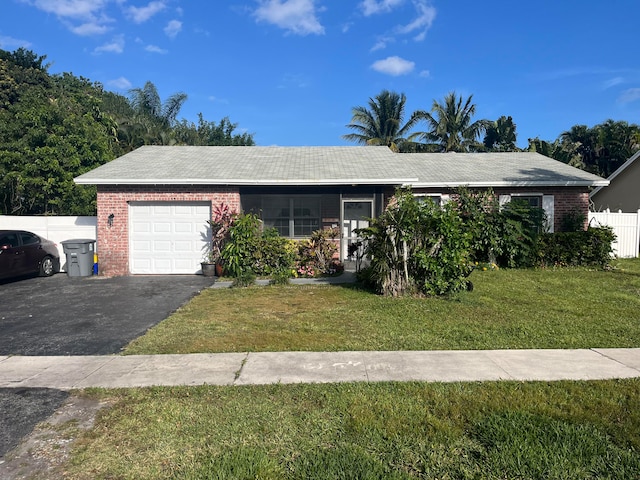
<point x="382" y="122"/>
<point x="451" y="126"/>
<point x="500" y="135"/>
<point x="154" y="119"/>
<point x="146" y="101"/>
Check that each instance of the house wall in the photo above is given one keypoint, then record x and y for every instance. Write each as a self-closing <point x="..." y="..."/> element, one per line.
<point x="113" y="240"/>
<point x="622" y="193"/>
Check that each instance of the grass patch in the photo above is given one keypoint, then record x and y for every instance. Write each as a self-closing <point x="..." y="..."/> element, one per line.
<point x="493" y="430"/>
<point x="551" y="308"/>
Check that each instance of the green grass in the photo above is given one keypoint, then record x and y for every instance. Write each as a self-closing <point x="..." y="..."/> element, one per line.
<point x="552" y="308"/>
<point x="490" y="430"/>
<point x="493" y="430"/>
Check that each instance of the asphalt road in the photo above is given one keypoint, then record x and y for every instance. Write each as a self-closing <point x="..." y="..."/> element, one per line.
<point x="63" y="315"/>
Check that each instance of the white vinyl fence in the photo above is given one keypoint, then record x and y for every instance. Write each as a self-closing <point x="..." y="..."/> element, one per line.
<point x="626" y="226"/>
<point x="55" y="229"/>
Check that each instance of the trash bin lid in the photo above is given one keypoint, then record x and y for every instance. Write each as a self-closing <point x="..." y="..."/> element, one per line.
<point x="78" y="240"/>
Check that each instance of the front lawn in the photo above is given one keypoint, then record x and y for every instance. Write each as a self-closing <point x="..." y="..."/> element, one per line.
<point x="550" y="308"/>
<point x="492" y="430"/>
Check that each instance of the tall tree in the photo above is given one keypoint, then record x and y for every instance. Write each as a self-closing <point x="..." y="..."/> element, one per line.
<point x="52" y="132"/>
<point x="382" y="122"/>
<point x="146" y="101"/>
<point x="600" y="149"/>
<point x="154" y="119"/>
<point x="500" y="135"/>
<point x="211" y="133"/>
<point x="451" y="125"/>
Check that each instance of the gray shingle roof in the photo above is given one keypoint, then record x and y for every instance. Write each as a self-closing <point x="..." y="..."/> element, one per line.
<point x="332" y="166"/>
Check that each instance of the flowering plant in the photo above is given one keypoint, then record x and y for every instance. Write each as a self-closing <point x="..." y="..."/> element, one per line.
<point x="220" y="223"/>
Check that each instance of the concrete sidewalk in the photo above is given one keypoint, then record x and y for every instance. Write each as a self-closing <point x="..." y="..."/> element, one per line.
<point x="316" y="367"/>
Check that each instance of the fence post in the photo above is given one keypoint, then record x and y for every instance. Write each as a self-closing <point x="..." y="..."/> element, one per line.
<point x="637" y="232"/>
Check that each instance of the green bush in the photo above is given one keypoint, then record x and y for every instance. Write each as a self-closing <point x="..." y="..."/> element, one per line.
<point x="519" y="227"/>
<point x="416" y="247"/>
<point x="505" y="236"/>
<point x="591" y="247"/>
<point x="251" y="248"/>
<point x="237" y="254"/>
<point x="316" y="254"/>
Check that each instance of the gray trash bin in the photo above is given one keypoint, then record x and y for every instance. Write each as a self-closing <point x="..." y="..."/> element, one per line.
<point x="79" y="253"/>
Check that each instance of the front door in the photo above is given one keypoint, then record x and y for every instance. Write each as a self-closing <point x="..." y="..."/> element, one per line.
<point x="355" y="214"/>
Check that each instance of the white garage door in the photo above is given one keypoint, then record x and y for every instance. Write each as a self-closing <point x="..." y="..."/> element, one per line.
<point x="168" y="237"/>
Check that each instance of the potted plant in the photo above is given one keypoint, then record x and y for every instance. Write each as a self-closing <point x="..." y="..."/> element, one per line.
<point x="220" y="223"/>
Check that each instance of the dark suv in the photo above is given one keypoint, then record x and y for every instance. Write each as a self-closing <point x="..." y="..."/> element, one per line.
<point x="24" y="253"/>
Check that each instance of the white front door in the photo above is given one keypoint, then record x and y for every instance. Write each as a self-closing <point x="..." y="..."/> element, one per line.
<point x="168" y="237"/>
<point x="355" y="214"/>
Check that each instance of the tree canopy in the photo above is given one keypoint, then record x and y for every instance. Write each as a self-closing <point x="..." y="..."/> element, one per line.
<point x="451" y="125"/>
<point x="382" y="122"/>
<point x="56" y="127"/>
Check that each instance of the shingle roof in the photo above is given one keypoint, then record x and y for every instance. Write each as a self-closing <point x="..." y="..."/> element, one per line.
<point x="332" y="166"/>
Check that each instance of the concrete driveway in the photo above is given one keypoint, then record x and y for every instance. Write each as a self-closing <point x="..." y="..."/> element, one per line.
<point x="63" y="315"/>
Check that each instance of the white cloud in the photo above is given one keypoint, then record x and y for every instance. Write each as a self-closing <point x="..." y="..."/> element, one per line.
<point x="121" y="83"/>
<point x="79" y="9"/>
<point x="371" y="7"/>
<point x="173" y="28"/>
<point x="155" y="49"/>
<point x="424" y="16"/>
<point x="382" y="43"/>
<point x="425" y="74"/>
<point x="9" y="43"/>
<point x="423" y="22"/>
<point x="296" y="16"/>
<point x="142" y="14"/>
<point x="115" y="46"/>
<point x="90" y="28"/>
<point x="394" y="66"/>
<point x="91" y="14"/>
<point x="612" y="82"/>
<point x="629" y="95"/>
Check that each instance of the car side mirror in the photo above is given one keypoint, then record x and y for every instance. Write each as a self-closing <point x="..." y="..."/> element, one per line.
<point x="6" y="246"/>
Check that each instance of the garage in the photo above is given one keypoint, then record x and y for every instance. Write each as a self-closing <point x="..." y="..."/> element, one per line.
<point x="168" y="237"/>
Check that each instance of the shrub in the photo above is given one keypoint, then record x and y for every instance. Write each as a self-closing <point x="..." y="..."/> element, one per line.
<point x="506" y="235"/>
<point x="316" y="254"/>
<point x="238" y="251"/>
<point x="246" y="278"/>
<point x="416" y="248"/>
<point x="519" y="227"/>
<point x="591" y="247"/>
<point x="252" y="248"/>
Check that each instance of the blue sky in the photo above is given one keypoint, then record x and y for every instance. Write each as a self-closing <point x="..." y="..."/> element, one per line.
<point x="290" y="71"/>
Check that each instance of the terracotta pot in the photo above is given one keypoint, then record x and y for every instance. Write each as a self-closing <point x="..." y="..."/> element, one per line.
<point x="219" y="269"/>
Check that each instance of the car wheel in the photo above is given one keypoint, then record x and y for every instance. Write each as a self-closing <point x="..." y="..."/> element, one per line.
<point x="46" y="267"/>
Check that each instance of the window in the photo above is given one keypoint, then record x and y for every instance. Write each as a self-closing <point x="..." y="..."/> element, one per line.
<point x="545" y="202"/>
<point x="28" y="238"/>
<point x="531" y="200"/>
<point x="9" y="240"/>
<point x="295" y="216"/>
<point x="435" y="197"/>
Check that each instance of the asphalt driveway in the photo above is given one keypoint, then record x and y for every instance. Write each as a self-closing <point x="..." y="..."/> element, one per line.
<point x="64" y="315"/>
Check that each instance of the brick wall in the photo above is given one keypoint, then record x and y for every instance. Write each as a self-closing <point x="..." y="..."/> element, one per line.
<point x="113" y="239"/>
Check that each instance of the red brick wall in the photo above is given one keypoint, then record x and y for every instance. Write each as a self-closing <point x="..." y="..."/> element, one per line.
<point x="113" y="241"/>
